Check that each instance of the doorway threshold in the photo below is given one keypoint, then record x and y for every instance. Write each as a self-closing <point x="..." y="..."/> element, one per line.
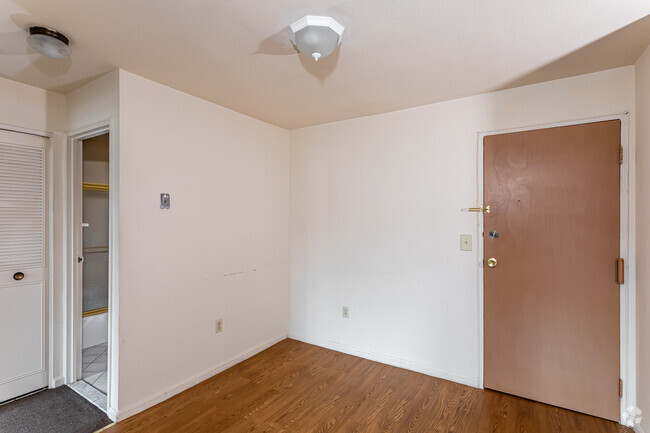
<point x="90" y="393"/>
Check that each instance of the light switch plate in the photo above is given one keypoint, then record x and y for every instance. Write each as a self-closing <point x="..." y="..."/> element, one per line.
<point x="164" y="200"/>
<point x="466" y="242"/>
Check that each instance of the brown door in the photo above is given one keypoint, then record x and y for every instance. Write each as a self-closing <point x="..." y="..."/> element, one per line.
<point x="552" y="301"/>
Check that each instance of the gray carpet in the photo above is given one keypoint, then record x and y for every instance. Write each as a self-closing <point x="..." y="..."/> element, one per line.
<point x="58" y="410"/>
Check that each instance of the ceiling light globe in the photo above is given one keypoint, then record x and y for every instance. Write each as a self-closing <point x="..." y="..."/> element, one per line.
<point x="49" y="42"/>
<point x="316" y="36"/>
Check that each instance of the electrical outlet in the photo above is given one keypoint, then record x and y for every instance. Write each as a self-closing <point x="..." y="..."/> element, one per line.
<point x="346" y="312"/>
<point x="466" y="242"/>
<point x="219" y="326"/>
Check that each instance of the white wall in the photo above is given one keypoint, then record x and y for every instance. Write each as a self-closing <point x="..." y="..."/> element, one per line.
<point x="375" y="221"/>
<point x="643" y="233"/>
<point x="31" y="108"/>
<point x="221" y="251"/>
<point x="93" y="105"/>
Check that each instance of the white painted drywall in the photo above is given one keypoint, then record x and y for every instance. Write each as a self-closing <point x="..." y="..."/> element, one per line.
<point x="221" y="251"/>
<point x="94" y="103"/>
<point x="89" y="107"/>
<point x="29" y="107"/>
<point x="642" y="76"/>
<point x="375" y="221"/>
<point x="23" y="106"/>
<point x="394" y="54"/>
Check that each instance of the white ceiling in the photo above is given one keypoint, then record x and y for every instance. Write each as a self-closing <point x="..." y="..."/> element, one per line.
<point x="395" y="53"/>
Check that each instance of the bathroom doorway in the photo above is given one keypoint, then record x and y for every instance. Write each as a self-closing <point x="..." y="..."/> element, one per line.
<point x="93" y="257"/>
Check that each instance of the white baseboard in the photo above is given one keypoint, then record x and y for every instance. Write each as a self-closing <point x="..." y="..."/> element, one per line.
<point x="57" y="381"/>
<point x="632" y="417"/>
<point x="112" y="414"/>
<point x="385" y="359"/>
<point x="119" y="415"/>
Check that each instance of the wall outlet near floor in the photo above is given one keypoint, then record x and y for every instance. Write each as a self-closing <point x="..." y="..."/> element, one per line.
<point x="466" y="242"/>
<point x="219" y="326"/>
<point x="346" y="312"/>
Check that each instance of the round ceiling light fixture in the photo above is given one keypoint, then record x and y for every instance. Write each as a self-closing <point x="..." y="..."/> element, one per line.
<point x="316" y="36"/>
<point x="49" y="42"/>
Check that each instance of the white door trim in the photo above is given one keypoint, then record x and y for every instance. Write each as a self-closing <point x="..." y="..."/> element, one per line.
<point x="14" y="128"/>
<point x="73" y="223"/>
<point x="628" y="231"/>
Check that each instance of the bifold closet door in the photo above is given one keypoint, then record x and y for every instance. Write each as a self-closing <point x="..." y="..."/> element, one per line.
<point x="23" y="264"/>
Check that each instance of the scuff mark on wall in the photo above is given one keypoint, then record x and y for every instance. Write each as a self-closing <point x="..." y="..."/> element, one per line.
<point x="238" y="273"/>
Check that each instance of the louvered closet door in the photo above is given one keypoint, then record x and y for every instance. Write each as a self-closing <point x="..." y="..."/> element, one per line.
<point x="23" y="264"/>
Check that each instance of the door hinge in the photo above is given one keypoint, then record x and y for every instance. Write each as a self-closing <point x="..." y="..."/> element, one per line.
<point x="620" y="388"/>
<point x="620" y="271"/>
<point x="620" y="155"/>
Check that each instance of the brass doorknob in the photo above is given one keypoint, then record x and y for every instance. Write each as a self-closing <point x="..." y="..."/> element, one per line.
<point x="492" y="262"/>
<point x="19" y="276"/>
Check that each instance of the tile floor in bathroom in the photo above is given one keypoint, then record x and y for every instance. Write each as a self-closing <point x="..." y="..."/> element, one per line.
<point x="94" y="361"/>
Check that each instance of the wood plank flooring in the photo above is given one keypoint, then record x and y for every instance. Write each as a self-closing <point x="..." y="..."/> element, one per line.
<point x="298" y="387"/>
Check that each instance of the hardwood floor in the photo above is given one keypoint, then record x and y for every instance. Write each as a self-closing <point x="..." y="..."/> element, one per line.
<point x="297" y="387"/>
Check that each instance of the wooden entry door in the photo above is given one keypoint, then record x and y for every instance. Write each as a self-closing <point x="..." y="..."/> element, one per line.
<point x="552" y="301"/>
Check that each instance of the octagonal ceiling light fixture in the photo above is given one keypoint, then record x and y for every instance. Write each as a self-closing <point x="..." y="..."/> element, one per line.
<point x="316" y="36"/>
<point x="49" y="42"/>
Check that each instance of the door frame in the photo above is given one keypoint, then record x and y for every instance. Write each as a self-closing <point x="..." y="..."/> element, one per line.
<point x="73" y="328"/>
<point x="628" y="231"/>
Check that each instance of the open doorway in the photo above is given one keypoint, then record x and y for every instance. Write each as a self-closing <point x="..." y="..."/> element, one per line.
<point x="92" y="282"/>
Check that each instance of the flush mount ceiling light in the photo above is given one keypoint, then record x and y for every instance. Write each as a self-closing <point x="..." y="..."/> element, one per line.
<point x="316" y="36"/>
<point x="49" y="42"/>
